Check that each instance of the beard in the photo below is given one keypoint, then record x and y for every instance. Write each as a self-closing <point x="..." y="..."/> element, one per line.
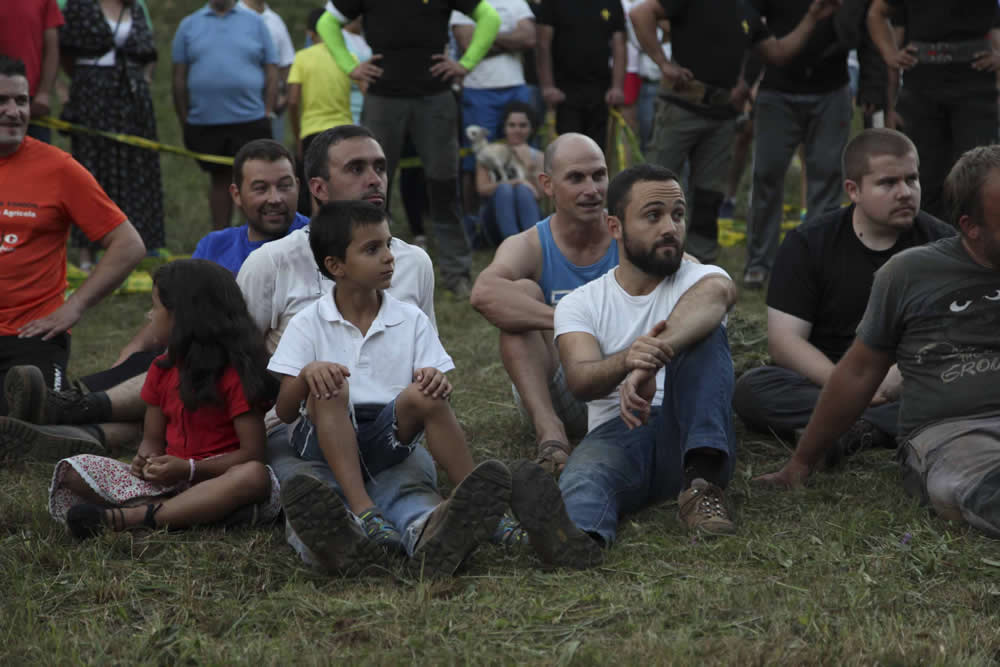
<point x="648" y="261"/>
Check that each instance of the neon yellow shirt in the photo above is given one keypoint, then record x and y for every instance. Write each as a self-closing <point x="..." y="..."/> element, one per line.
<point x="326" y="90"/>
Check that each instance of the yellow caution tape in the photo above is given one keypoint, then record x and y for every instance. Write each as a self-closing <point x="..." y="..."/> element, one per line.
<point x="130" y="139"/>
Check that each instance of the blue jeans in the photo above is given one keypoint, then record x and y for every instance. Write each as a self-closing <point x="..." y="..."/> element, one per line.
<point x="647" y="111"/>
<point x="406" y="493"/>
<point x="510" y="210"/>
<point x="614" y="470"/>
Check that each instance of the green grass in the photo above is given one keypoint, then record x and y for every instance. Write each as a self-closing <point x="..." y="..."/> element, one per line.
<point x="849" y="570"/>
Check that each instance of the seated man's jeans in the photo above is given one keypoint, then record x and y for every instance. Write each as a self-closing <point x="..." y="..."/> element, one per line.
<point x="615" y="471"/>
<point x="406" y="493"/>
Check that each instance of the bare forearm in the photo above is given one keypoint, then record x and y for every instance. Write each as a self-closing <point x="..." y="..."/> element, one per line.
<point x="271" y="89"/>
<point x="543" y="63"/>
<point x="215" y="466"/>
<point x="880" y="30"/>
<point x="292" y="393"/>
<point x="644" y="18"/>
<point x="50" y="61"/>
<point x="294" y="117"/>
<point x="618" y="60"/>
<point x="699" y="312"/>
<point x="510" y="309"/>
<point x="591" y="380"/>
<point x="789" y="46"/>
<point x="517" y="39"/>
<point x="180" y="94"/>
<point x="799" y="355"/>
<point x="120" y="257"/>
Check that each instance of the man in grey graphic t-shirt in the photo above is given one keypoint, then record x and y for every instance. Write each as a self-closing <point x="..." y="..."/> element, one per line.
<point x="935" y="311"/>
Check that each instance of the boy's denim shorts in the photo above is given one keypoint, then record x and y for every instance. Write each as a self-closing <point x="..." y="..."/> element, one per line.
<point x="377" y="433"/>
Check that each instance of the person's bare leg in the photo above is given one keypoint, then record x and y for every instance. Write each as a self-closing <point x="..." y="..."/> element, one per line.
<point x="75" y="483"/>
<point x="208" y="501"/>
<point x="122" y="437"/>
<point x="445" y="438"/>
<point x="126" y="400"/>
<point x="219" y="200"/>
<point x="339" y="443"/>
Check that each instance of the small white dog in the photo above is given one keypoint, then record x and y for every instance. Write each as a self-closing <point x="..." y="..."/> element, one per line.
<point x="502" y="162"/>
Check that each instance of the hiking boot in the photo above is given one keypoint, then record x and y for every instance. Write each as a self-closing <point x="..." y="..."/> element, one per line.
<point x="20" y="440"/>
<point x="28" y="399"/>
<point x="509" y="533"/>
<point x="537" y="502"/>
<point x="467" y="518"/>
<point x="380" y="531"/>
<point x="321" y="521"/>
<point x="863" y="435"/>
<point x="702" y="508"/>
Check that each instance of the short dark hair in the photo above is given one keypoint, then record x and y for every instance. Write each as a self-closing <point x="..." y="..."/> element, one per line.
<point x="313" y="18"/>
<point x="620" y="187"/>
<point x="259" y="149"/>
<point x="963" y="188"/>
<point x="317" y="159"/>
<point x="331" y="230"/>
<point x="517" y="106"/>
<point x="855" y="161"/>
<point x="12" y="66"/>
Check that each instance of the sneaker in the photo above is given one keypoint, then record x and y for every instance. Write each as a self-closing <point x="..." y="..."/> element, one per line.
<point x="24" y="388"/>
<point x="702" y="508"/>
<point x="861" y="436"/>
<point x="20" y="440"/>
<point x="537" y="502"/>
<point x="467" y="518"/>
<point x="319" y="518"/>
<point x="509" y="533"/>
<point x="378" y="529"/>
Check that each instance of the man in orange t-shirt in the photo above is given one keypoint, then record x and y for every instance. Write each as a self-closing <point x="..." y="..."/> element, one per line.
<point x="43" y="191"/>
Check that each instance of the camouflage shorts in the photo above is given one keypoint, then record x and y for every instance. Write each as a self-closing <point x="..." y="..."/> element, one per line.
<point x="955" y="467"/>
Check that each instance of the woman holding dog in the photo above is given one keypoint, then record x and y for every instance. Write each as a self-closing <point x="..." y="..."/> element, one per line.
<point x="512" y="202"/>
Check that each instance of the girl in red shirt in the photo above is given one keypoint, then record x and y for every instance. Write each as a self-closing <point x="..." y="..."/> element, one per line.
<point x="204" y="443"/>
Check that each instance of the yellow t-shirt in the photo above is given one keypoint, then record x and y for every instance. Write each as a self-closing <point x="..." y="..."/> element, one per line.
<point x="326" y="90"/>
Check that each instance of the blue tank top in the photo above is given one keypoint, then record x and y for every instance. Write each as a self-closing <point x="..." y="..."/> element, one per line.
<point x="559" y="275"/>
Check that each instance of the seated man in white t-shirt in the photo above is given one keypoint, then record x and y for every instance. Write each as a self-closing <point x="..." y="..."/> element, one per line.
<point x="645" y="345"/>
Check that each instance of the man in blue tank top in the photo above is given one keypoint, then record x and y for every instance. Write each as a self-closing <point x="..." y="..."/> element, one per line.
<point x="531" y="272"/>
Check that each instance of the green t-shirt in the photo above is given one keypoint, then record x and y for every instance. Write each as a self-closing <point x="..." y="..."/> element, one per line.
<point x="939" y="312"/>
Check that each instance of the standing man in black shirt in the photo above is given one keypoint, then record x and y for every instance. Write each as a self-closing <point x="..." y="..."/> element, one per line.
<point x="948" y="103"/>
<point x="576" y="39"/>
<point x="409" y="92"/>
<point x="703" y="92"/>
<point x="805" y="101"/>
<point x="820" y="286"/>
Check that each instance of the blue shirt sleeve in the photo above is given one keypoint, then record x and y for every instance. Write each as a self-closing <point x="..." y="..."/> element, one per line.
<point x="201" y="251"/>
<point x="179" y="47"/>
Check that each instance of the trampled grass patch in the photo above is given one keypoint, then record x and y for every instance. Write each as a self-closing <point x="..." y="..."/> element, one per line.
<point x="848" y="571"/>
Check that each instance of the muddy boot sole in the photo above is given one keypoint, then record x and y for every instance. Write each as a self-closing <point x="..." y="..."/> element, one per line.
<point x="321" y="521"/>
<point x="468" y="518"/>
<point x="537" y="502"/>
<point x="21" y="441"/>
<point x="24" y="389"/>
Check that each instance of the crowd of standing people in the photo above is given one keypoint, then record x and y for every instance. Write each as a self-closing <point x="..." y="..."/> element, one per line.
<point x="293" y="366"/>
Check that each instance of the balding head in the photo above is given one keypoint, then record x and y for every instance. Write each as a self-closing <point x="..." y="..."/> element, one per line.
<point x="570" y="147"/>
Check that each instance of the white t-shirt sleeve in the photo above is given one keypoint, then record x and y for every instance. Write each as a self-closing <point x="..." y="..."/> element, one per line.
<point x="520" y="10"/>
<point x="296" y="349"/>
<point x="425" y="275"/>
<point x="574" y="313"/>
<point x="428" y="352"/>
<point x="256" y="280"/>
<point x="283" y="43"/>
<point x="458" y="18"/>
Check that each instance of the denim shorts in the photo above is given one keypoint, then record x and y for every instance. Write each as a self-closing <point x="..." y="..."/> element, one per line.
<point x="379" y="447"/>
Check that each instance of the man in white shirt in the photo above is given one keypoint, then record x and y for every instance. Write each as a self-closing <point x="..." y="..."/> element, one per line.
<point x="286" y="55"/>
<point x="646" y="346"/>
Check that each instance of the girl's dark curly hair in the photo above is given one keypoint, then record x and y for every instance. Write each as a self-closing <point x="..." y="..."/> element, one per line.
<point x="212" y="330"/>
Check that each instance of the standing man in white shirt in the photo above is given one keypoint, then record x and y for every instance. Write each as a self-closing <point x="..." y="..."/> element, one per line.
<point x="286" y="54"/>
<point x="645" y="345"/>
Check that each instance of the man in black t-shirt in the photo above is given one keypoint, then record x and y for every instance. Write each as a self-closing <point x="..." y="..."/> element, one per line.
<point x="948" y="102"/>
<point x="409" y="92"/>
<point x="805" y="101"/>
<point x="703" y="91"/>
<point x="576" y="40"/>
<point x="820" y="286"/>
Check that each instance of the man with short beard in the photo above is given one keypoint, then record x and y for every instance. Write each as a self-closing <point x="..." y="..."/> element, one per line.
<point x="819" y="288"/>
<point x="645" y="345"/>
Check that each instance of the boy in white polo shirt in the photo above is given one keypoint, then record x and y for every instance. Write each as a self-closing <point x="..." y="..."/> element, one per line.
<point x="369" y="370"/>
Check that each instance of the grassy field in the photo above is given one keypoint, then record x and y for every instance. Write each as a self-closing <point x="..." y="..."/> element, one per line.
<point x="848" y="571"/>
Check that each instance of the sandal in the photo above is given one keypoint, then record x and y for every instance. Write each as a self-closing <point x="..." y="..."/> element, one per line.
<point x="552" y="456"/>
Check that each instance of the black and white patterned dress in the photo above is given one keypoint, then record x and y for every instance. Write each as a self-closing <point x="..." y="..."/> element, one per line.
<point x="115" y="98"/>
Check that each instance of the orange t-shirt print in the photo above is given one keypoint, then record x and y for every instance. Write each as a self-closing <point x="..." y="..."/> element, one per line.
<point x="43" y="191"/>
